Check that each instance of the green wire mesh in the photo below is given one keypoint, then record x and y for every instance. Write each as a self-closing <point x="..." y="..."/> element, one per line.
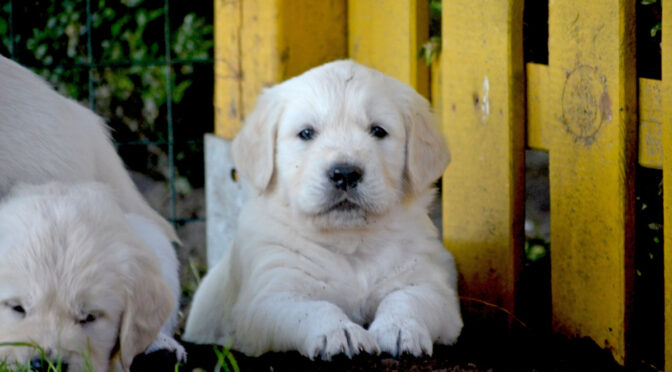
<point x="168" y="63"/>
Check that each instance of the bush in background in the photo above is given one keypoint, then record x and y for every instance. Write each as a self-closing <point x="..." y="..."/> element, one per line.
<point x="130" y="82"/>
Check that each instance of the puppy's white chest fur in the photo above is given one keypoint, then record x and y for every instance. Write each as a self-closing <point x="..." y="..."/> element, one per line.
<point x="353" y="270"/>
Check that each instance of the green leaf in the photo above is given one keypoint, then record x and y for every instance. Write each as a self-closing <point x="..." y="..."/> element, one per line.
<point x="179" y="89"/>
<point x="430" y="49"/>
<point x="536" y="252"/>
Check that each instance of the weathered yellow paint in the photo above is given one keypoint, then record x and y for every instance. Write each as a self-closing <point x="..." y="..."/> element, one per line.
<point x="666" y="90"/>
<point x="593" y="101"/>
<point x="650" y="121"/>
<point x="387" y="35"/>
<point x="435" y="86"/>
<point x="228" y="101"/>
<point x="483" y="120"/>
<point x="538" y="106"/>
<point x="259" y="43"/>
<point x="539" y="115"/>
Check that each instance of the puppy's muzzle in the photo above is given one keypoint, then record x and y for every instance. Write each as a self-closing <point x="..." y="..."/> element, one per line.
<point x="345" y="176"/>
<point x="39" y="364"/>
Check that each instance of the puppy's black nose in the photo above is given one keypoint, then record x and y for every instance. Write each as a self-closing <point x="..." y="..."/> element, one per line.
<point x="345" y="176"/>
<point x="38" y="364"/>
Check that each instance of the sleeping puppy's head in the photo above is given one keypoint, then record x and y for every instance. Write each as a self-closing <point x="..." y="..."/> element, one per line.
<point x="340" y="144"/>
<point x="74" y="280"/>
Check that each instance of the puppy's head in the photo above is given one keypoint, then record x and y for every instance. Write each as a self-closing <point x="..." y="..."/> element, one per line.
<point x="340" y="144"/>
<point x="74" y="280"/>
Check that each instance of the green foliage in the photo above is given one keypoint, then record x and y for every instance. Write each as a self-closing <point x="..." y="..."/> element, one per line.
<point x="432" y="47"/>
<point x="657" y="27"/>
<point x="127" y="48"/>
<point x="52" y="366"/>
<point x="536" y="249"/>
<point x="225" y="360"/>
<point x="430" y="50"/>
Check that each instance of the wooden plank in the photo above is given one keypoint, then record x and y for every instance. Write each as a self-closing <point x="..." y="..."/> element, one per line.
<point x="228" y="72"/>
<point x="666" y="88"/>
<point x="538" y="106"/>
<point x="539" y="114"/>
<point x="592" y="161"/>
<point x="435" y="86"/>
<point x="387" y="35"/>
<point x="311" y="33"/>
<point x="483" y="120"/>
<point x="650" y="124"/>
<point x="259" y="43"/>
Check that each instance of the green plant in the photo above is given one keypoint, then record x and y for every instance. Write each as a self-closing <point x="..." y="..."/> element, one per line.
<point x="432" y="47"/>
<point x="656" y="27"/>
<point x="52" y="366"/>
<point x="536" y="249"/>
<point x="125" y="42"/>
<point x="225" y="360"/>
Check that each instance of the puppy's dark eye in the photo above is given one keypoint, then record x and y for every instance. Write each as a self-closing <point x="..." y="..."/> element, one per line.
<point x="90" y="318"/>
<point x="307" y="134"/>
<point x="16" y="308"/>
<point x="378" y="132"/>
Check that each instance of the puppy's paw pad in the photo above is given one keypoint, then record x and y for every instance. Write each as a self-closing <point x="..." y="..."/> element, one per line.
<point x="165" y="342"/>
<point x="349" y="339"/>
<point x="402" y="336"/>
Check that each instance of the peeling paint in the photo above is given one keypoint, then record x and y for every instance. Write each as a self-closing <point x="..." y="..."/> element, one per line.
<point x="485" y="102"/>
<point x="605" y="106"/>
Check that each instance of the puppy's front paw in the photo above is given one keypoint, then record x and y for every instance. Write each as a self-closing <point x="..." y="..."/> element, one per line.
<point x="348" y="338"/>
<point x="167" y="343"/>
<point x="398" y="335"/>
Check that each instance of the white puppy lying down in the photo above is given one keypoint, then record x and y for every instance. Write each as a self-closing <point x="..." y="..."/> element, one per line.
<point x="46" y="137"/>
<point x="334" y="252"/>
<point x="77" y="280"/>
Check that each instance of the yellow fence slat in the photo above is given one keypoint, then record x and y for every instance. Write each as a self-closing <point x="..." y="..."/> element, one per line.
<point x="259" y="43"/>
<point x="228" y="103"/>
<point x="650" y="115"/>
<point x="592" y="159"/>
<point x="667" y="171"/>
<point x="435" y="86"/>
<point x="387" y="35"/>
<point x="483" y="120"/>
<point x="650" y="121"/>
<point x="538" y="106"/>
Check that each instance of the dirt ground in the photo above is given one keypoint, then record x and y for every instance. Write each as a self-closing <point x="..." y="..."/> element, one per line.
<point x="485" y="346"/>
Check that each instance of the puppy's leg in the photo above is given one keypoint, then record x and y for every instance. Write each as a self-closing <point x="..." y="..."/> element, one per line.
<point x="317" y="329"/>
<point x="410" y="319"/>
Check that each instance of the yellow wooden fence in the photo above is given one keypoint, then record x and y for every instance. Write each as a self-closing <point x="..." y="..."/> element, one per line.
<point x="586" y="108"/>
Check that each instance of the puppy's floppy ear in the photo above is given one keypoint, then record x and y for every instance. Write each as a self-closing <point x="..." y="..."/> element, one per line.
<point x="149" y="302"/>
<point x="253" y="149"/>
<point x="427" y="154"/>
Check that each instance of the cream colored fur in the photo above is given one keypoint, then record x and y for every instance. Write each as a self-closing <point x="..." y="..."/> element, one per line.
<point x="305" y="274"/>
<point x="45" y="137"/>
<point x="61" y="261"/>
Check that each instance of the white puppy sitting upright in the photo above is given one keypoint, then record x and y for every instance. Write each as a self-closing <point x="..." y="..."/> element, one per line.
<point x="334" y="252"/>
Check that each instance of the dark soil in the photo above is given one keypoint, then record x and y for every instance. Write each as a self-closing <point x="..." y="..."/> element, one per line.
<point x="485" y="345"/>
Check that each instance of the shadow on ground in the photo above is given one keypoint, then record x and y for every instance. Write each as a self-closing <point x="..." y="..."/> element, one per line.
<point x="494" y="344"/>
